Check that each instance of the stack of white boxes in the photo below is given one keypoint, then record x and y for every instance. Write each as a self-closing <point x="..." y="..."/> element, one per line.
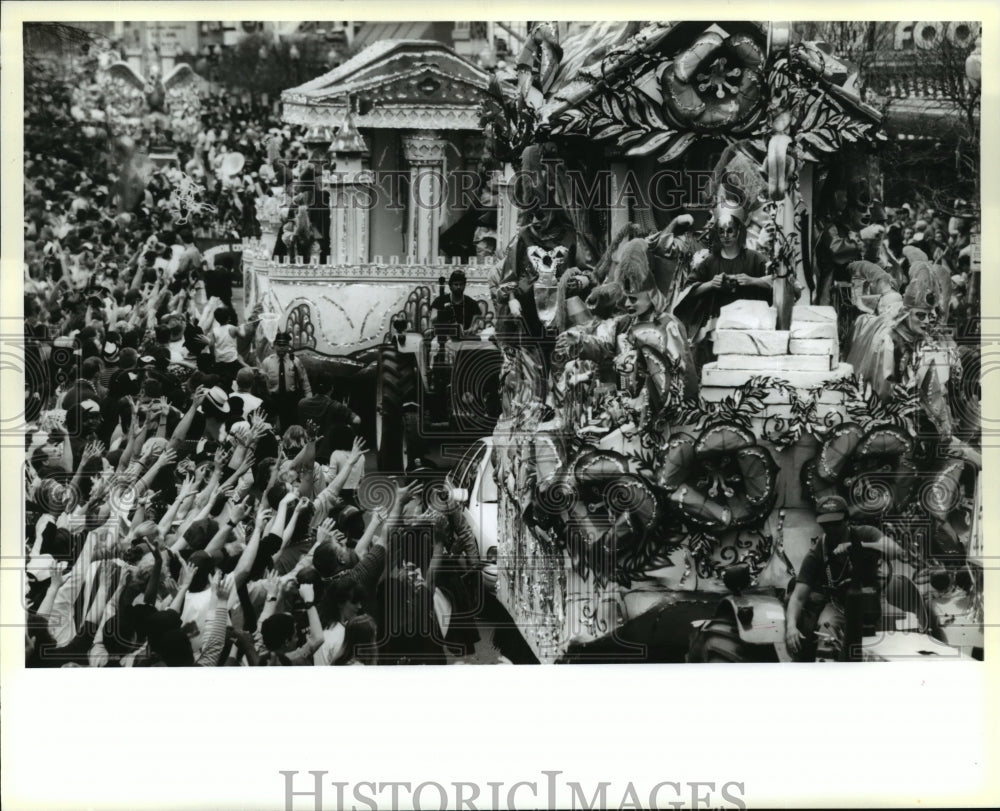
<point x="748" y="345"/>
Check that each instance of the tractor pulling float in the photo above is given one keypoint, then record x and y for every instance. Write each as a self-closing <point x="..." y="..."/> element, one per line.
<point x="351" y="262"/>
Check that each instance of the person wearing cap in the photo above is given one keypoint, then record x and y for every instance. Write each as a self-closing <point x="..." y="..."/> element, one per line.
<point x="88" y="385"/>
<point x="731" y="272"/>
<point x="110" y="354"/>
<point x="123" y="378"/>
<point x="828" y="569"/>
<point x="454" y="311"/>
<point x="287" y="380"/>
<point x="216" y="410"/>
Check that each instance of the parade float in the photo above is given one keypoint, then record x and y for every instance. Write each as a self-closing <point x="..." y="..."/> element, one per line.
<point x="351" y="262"/>
<point x="139" y="112"/>
<point x="643" y="489"/>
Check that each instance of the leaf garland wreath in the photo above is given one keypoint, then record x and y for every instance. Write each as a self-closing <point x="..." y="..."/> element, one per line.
<point x="820" y="123"/>
<point x="867" y="409"/>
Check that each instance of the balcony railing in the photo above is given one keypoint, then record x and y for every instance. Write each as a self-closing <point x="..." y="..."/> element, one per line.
<point x="256" y="256"/>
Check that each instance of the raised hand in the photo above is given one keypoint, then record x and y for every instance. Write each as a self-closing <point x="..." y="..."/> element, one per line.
<point x="187" y="575"/>
<point x="358" y="449"/>
<point x="325" y="530"/>
<point x="221" y="454"/>
<point x="99" y="486"/>
<point x="222" y="586"/>
<point x="766" y="236"/>
<point x="239" y="512"/>
<point x="407" y="493"/>
<point x="312" y="430"/>
<point x="56" y="575"/>
<point x="134" y="427"/>
<point x="92" y="451"/>
<point x="226" y="492"/>
<point x="307" y="592"/>
<point x="258" y="425"/>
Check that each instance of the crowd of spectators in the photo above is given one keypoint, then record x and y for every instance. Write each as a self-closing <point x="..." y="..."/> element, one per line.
<point x="192" y="494"/>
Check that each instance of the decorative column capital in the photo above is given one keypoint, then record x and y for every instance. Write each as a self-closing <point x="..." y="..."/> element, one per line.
<point x="318" y="138"/>
<point x="358" y="177"/>
<point x="424" y="147"/>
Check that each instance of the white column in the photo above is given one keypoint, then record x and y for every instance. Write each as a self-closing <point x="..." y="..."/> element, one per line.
<point x="619" y="213"/>
<point x="425" y="152"/>
<point x="506" y="210"/>
<point x="351" y="190"/>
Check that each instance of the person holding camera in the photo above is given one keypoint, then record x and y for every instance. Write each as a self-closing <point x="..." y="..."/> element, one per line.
<point x="730" y="272"/>
<point x="843" y="555"/>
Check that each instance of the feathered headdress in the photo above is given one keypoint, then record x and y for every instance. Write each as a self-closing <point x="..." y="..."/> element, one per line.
<point x="929" y="289"/>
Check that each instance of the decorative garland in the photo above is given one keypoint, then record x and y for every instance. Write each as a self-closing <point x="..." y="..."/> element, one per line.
<point x="818" y="122"/>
